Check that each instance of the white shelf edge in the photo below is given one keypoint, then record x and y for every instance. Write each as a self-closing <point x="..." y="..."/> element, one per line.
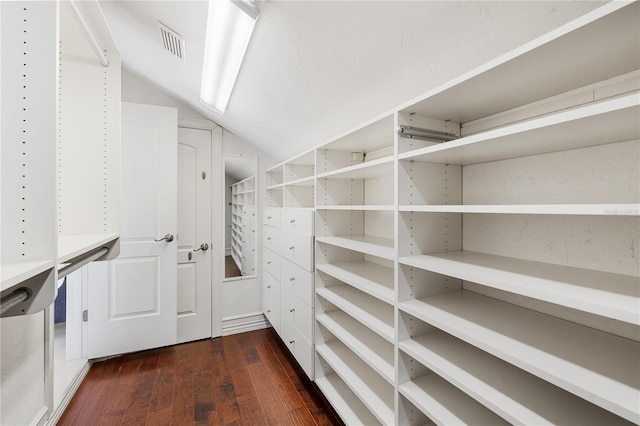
<point x="307" y="181"/>
<point x="377" y="207"/>
<point x="348" y="273"/>
<point x="345" y="364"/>
<point x="357" y="167"/>
<point x="373" y="323"/>
<point x="548" y="347"/>
<point x="609" y="295"/>
<point x="70" y="246"/>
<point x="362" y="243"/>
<point x="344" y="401"/>
<point x="445" y="404"/>
<point x="623" y="209"/>
<point x="335" y="323"/>
<point x="512" y="393"/>
<point x="276" y="186"/>
<point x="15" y="272"/>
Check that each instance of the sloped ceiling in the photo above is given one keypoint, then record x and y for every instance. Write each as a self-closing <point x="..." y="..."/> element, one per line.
<point x="315" y="69"/>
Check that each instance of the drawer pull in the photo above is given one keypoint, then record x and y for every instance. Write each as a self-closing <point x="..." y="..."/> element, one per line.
<point x="292" y="310"/>
<point x="268" y="217"/>
<point x="268" y="311"/>
<point x="268" y="238"/>
<point x="291" y="248"/>
<point x="292" y="221"/>
<point x="292" y="279"/>
<point x="269" y="286"/>
<point x="292" y="341"/>
<point x="268" y="262"/>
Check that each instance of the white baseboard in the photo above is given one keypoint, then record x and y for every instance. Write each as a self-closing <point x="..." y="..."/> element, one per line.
<point x="40" y="418"/>
<point x="227" y="252"/>
<point x="71" y="390"/>
<point x="242" y="323"/>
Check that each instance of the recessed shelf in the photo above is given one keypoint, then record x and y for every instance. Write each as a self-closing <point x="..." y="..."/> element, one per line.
<point x="517" y="396"/>
<point x="445" y="404"/>
<point x="375" y="246"/>
<point x="609" y="295"/>
<point x="371" y="278"/>
<point x="344" y="401"/>
<point x="374" y="314"/>
<point x="373" y="169"/>
<point x="375" y="393"/>
<point x="630" y="209"/>
<point x="16" y="272"/>
<point x="613" y="120"/>
<point x="599" y="367"/>
<point x="70" y="246"/>
<point x="373" y="350"/>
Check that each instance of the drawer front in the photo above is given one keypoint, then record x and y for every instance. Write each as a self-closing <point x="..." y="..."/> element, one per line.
<point x="271" y="238"/>
<point x="271" y="263"/>
<point x="271" y="217"/>
<point x="302" y="350"/>
<point x="297" y="280"/>
<point x="296" y="313"/>
<point x="271" y="300"/>
<point x="298" y="249"/>
<point x="300" y="221"/>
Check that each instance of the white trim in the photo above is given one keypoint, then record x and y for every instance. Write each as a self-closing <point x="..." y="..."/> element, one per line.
<point x="242" y="323"/>
<point x="196" y="123"/>
<point x="71" y="390"/>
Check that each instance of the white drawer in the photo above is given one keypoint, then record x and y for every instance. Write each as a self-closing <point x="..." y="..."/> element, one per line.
<point x="271" y="300"/>
<point x="271" y="217"/>
<point x="297" y="248"/>
<point x="296" y="220"/>
<point x="302" y="351"/>
<point x="297" y="280"/>
<point x="294" y="311"/>
<point x="271" y="238"/>
<point x="271" y="263"/>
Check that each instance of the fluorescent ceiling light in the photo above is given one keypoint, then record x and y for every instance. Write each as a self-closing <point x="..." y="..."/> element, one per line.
<point x="229" y="27"/>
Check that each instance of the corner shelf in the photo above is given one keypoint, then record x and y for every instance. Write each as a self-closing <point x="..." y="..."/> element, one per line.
<point x="571" y="356"/>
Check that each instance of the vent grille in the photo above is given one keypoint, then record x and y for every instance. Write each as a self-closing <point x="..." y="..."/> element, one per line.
<point x="173" y="42"/>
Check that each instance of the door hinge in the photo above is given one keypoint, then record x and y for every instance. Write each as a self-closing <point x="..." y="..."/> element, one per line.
<point x="85" y="315"/>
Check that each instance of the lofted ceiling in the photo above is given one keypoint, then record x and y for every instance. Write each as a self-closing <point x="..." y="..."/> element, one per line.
<point x="315" y="69"/>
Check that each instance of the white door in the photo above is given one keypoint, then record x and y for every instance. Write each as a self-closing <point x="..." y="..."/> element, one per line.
<point x="132" y="300"/>
<point x="194" y="234"/>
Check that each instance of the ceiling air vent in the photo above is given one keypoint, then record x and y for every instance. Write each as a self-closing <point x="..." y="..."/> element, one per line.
<point x="172" y="42"/>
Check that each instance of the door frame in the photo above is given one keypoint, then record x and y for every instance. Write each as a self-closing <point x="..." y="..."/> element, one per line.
<point x="217" y="222"/>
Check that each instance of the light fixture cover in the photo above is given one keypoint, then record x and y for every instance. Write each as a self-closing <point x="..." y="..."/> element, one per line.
<point x="229" y="30"/>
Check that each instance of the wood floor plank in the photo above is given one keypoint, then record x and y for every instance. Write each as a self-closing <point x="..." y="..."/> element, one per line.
<point x="243" y="379"/>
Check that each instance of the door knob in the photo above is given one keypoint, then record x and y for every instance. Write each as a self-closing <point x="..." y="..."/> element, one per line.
<point x="203" y="247"/>
<point x="168" y="238"/>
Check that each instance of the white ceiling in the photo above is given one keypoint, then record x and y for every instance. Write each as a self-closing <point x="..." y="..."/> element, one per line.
<point x="315" y="69"/>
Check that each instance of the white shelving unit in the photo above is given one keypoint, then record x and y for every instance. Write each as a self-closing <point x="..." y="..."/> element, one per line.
<point x="243" y="228"/>
<point x="487" y="273"/>
<point x="61" y="146"/>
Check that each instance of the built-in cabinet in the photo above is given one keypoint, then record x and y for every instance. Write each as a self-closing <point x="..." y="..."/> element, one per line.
<point x="476" y="248"/>
<point x="243" y="225"/>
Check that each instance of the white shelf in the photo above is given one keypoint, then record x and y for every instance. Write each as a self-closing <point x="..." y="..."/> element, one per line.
<point x="16" y="272"/>
<point x="375" y="393"/>
<point x="609" y="295"/>
<point x="344" y="401"/>
<point x="379" y="207"/>
<point x="512" y="393"/>
<point x="70" y="246"/>
<point x="277" y="186"/>
<point x="308" y="181"/>
<point x="371" y="278"/>
<point x="446" y="405"/>
<point x="373" y="350"/>
<point x="374" y="314"/>
<point x="608" y="121"/>
<point x="599" y="367"/>
<point x="373" y="169"/>
<point x="375" y="246"/>
<point x="630" y="209"/>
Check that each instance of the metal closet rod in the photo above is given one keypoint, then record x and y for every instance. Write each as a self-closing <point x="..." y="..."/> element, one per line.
<point x="23" y="294"/>
<point x="102" y="57"/>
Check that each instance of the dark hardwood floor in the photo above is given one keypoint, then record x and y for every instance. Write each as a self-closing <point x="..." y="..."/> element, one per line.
<point x="230" y="268"/>
<point x="243" y="379"/>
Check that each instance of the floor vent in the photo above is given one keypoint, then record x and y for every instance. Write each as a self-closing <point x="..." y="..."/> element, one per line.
<point x="173" y="42"/>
